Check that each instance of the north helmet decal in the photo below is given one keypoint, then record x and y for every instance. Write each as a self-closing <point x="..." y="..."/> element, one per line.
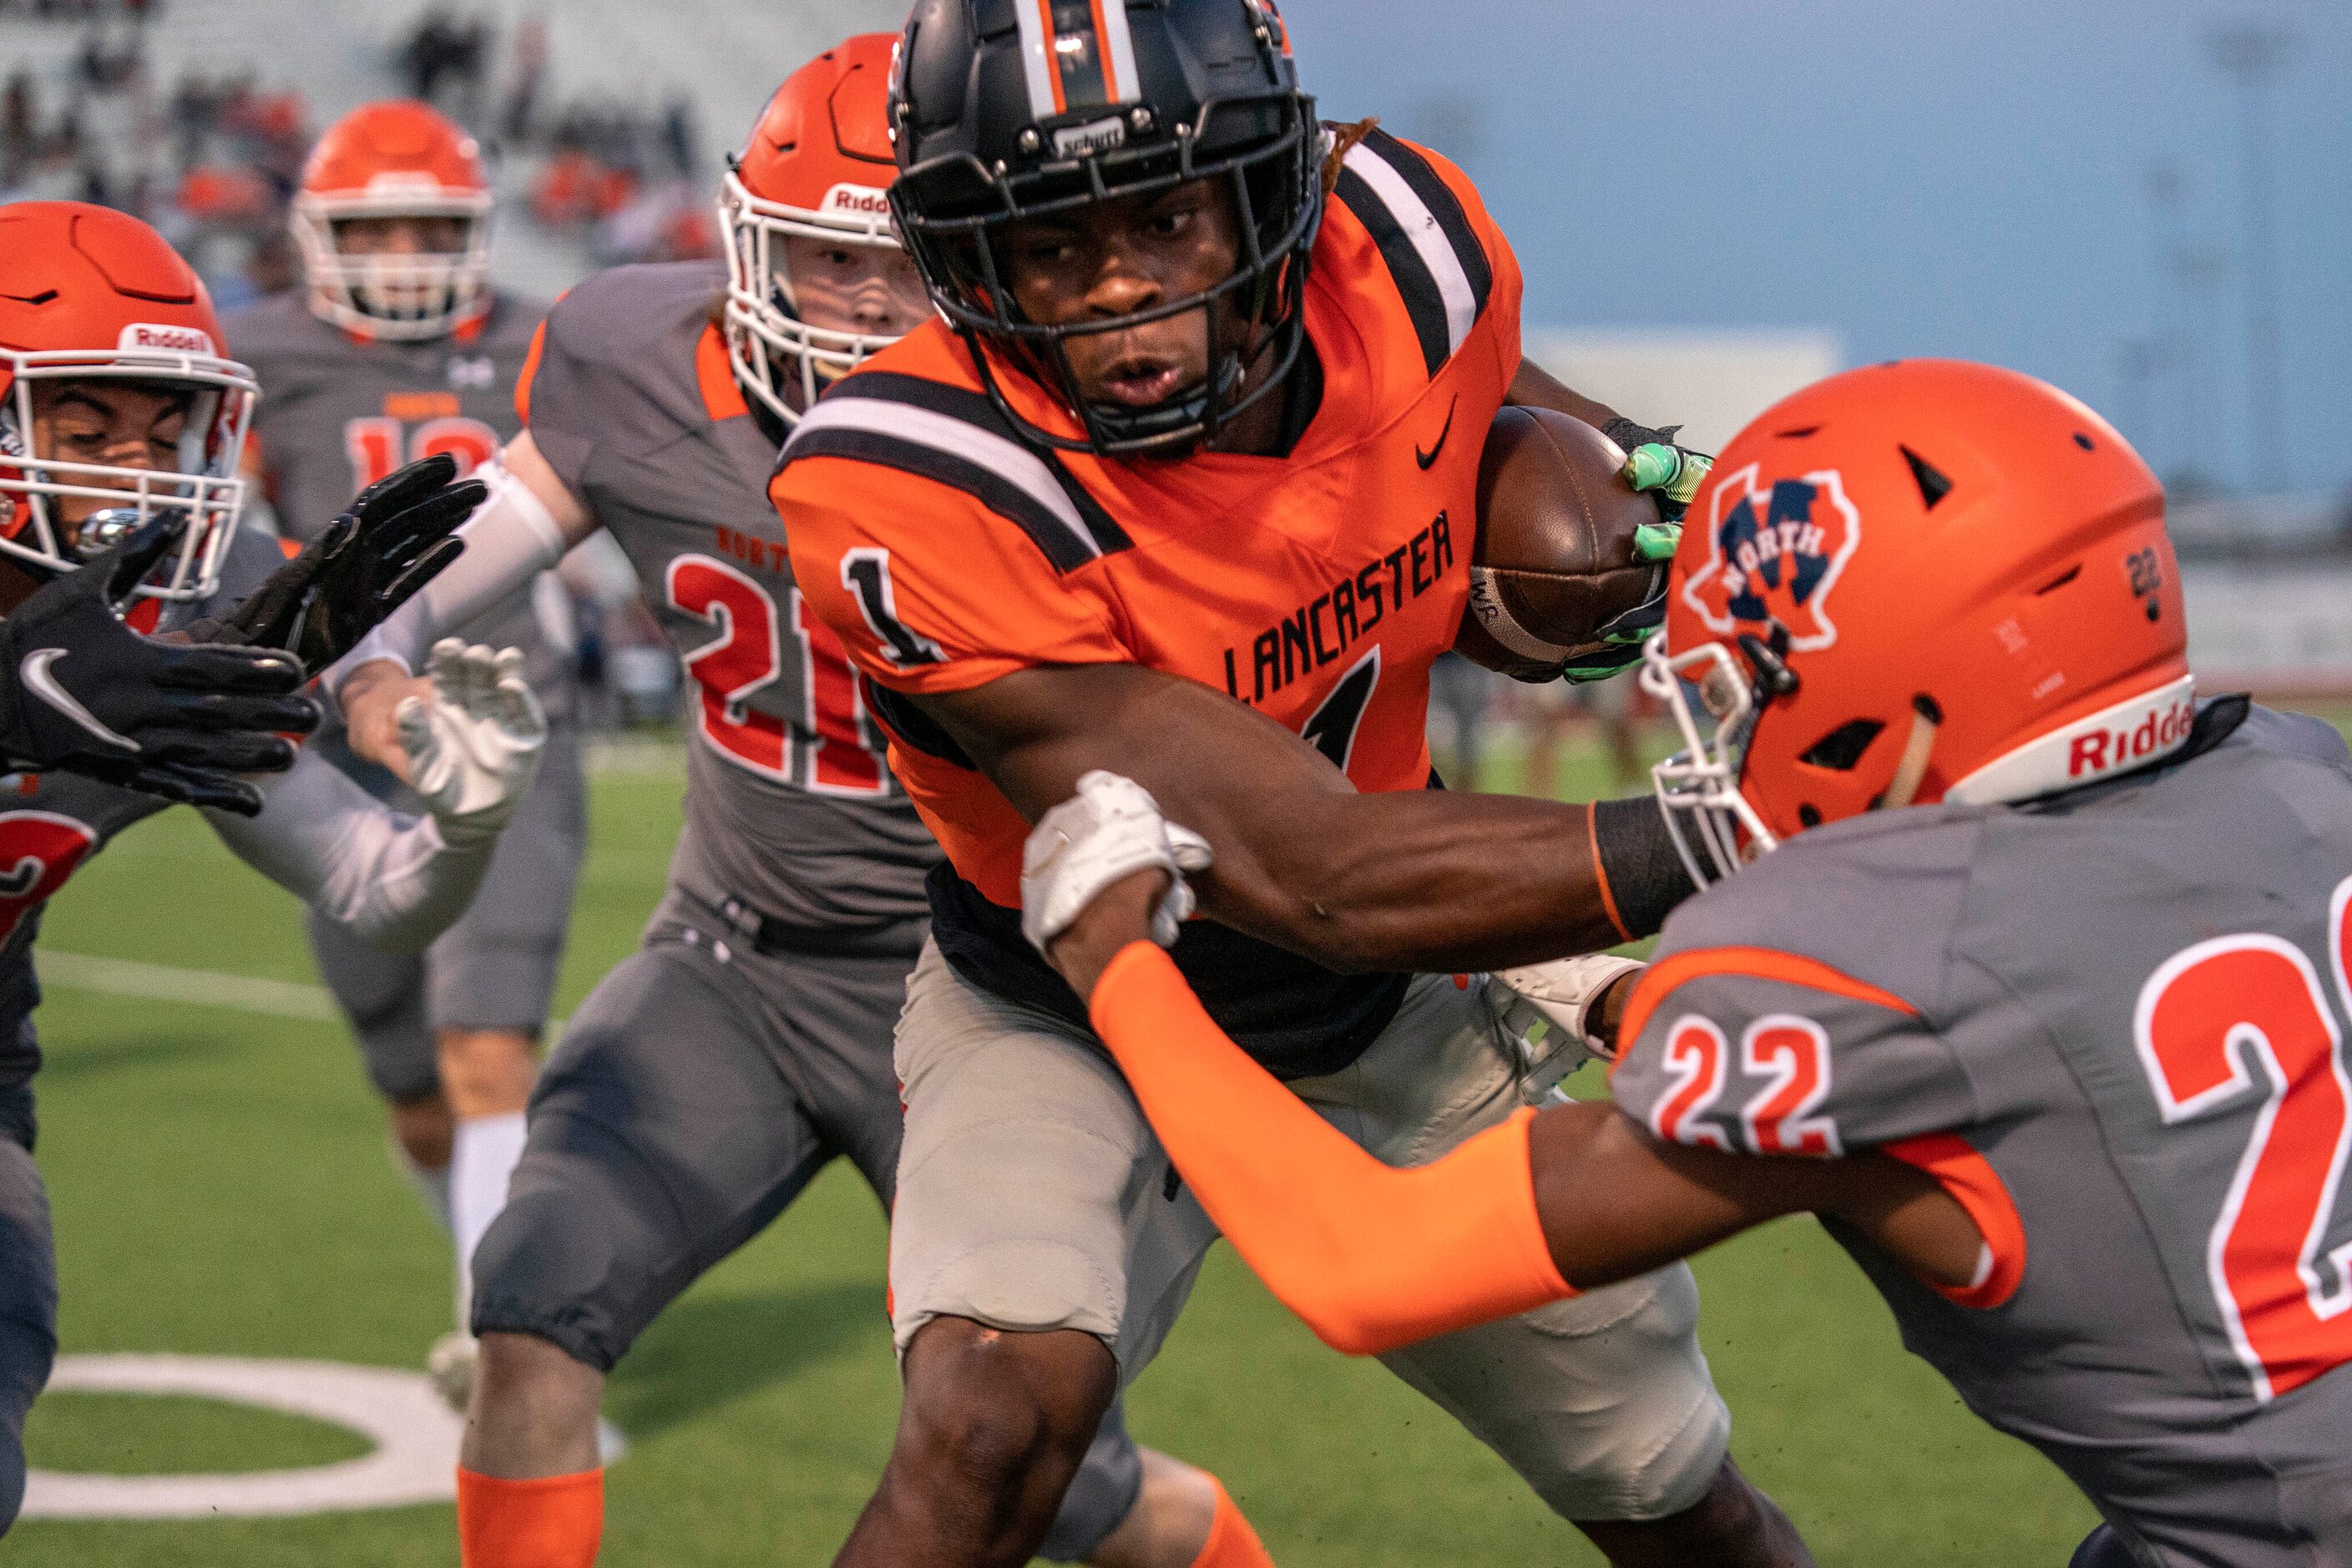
<point x="1774" y="553"/>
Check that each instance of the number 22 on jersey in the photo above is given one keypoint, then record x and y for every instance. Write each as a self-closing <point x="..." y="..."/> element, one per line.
<point x="2243" y="1023"/>
<point x="826" y="746"/>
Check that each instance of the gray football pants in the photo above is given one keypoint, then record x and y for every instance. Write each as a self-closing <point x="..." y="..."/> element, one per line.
<point x="697" y="1091"/>
<point x="28" y="1309"/>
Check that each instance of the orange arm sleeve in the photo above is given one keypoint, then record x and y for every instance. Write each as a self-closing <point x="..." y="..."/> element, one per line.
<point x="1371" y="1257"/>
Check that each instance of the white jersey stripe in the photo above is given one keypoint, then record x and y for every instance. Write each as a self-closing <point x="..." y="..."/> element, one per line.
<point x="1035" y="18"/>
<point x="1119" y="79"/>
<point x="1421" y="226"/>
<point x="1015" y="465"/>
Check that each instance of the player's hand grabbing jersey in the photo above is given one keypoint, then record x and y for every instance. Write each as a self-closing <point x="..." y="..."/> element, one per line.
<point x="2133" y="1076"/>
<point x="792" y="809"/>
<point x="337" y="412"/>
<point x="1318" y="587"/>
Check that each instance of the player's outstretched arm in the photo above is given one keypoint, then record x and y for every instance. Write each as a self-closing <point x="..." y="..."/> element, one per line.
<point x="1424" y="880"/>
<point x="81" y="692"/>
<point x="1572" y="1197"/>
<point x="397" y="881"/>
<point x="523" y="527"/>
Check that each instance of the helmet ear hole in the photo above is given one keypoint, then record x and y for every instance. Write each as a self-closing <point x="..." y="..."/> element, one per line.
<point x="1842" y="749"/>
<point x="1809" y="814"/>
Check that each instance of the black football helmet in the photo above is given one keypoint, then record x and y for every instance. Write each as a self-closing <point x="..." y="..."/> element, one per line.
<point x="1008" y="110"/>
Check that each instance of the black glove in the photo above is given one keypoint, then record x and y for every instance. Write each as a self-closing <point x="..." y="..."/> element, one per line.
<point x="81" y="692"/>
<point x="393" y="541"/>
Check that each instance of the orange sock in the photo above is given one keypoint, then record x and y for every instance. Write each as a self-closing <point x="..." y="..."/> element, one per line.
<point x="1231" y="1543"/>
<point x="557" y="1522"/>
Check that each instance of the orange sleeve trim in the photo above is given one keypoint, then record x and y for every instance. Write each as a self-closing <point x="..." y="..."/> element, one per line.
<point x="1758" y="962"/>
<point x="1600" y="874"/>
<point x="722" y="397"/>
<point x="1977" y="1187"/>
<point x="530" y="372"/>
<point x="1459" y="1241"/>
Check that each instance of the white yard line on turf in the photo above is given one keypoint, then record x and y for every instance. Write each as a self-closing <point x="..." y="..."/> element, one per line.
<point x="197" y="987"/>
<point x="205" y="987"/>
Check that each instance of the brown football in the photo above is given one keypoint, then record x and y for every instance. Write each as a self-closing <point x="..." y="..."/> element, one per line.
<point x="1555" y="557"/>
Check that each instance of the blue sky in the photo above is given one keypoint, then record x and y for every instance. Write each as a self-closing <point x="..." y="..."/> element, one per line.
<point x="1962" y="177"/>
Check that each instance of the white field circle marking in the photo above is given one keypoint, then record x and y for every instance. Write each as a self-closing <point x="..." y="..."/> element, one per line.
<point x="415" y="1437"/>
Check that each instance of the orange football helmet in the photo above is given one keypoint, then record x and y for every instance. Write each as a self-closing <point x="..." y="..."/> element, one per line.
<point x="1926" y="581"/>
<point x="818" y="167"/>
<point x="87" y="294"/>
<point x="397" y="159"/>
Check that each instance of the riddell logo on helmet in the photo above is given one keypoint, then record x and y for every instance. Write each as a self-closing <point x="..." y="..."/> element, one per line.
<point x="2104" y="750"/>
<point x="158" y="339"/>
<point x="856" y="201"/>
<point x="1774" y="553"/>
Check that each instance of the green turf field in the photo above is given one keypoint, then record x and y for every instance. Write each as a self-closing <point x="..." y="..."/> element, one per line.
<point x="221" y="1187"/>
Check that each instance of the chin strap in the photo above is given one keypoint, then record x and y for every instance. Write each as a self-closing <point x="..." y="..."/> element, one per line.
<point x="1926" y="718"/>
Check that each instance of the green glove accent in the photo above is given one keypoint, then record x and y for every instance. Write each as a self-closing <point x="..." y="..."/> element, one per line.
<point x="1657" y="541"/>
<point x="1675" y="471"/>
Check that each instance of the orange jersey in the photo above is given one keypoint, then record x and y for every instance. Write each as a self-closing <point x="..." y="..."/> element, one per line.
<point x="1318" y="587"/>
<point x="1292" y="584"/>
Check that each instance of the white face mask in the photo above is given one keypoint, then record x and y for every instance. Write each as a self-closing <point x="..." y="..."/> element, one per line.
<point x="395" y="297"/>
<point x="1716" y="830"/>
<point x="201" y="485"/>
<point x="775" y="354"/>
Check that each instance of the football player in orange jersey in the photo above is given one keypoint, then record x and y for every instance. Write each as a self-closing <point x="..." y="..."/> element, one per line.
<point x="710" y="1078"/>
<point x="1183" y="486"/>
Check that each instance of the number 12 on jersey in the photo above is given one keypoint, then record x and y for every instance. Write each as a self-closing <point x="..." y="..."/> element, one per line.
<point x="379" y="445"/>
<point x="2239" y="1022"/>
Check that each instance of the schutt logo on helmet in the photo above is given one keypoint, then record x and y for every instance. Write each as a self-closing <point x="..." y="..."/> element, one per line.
<point x="1774" y="553"/>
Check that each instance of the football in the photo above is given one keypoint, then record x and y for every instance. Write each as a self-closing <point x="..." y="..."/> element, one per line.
<point x="1555" y="558"/>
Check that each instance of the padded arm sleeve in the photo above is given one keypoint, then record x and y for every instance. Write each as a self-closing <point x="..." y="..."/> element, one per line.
<point x="386" y="877"/>
<point x="510" y="538"/>
<point x="1372" y="1257"/>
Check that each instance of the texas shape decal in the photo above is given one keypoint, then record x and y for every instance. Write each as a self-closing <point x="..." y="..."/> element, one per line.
<point x="1774" y="552"/>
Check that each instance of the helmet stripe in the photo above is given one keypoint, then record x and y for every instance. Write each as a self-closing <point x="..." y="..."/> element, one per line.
<point x="1037" y="60"/>
<point x="1119" y="78"/>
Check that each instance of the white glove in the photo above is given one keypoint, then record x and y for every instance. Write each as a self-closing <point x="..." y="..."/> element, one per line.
<point x="1545" y="1010"/>
<point x="1111" y="828"/>
<point x="474" y="749"/>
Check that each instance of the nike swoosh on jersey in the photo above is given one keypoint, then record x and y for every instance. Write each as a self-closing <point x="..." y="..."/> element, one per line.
<point x="34" y="669"/>
<point x="1428" y="459"/>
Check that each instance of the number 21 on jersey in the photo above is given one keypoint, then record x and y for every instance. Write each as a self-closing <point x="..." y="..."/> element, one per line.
<point x="826" y="746"/>
<point x="2243" y="1023"/>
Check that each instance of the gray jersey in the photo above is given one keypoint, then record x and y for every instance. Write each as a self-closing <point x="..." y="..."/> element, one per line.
<point x="52" y="823"/>
<point x="2112" y="1023"/>
<point x="792" y="811"/>
<point x="336" y="414"/>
